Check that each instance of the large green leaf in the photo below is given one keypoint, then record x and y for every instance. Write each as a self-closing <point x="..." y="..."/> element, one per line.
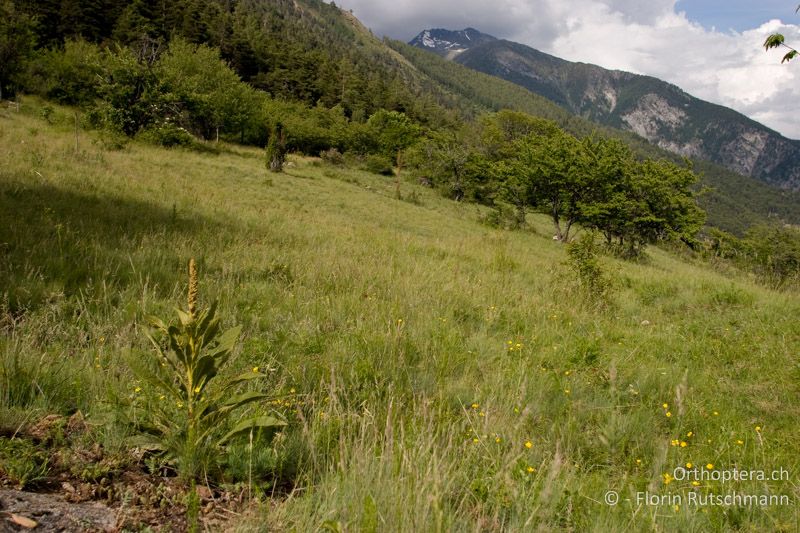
<point x="214" y="410"/>
<point x="246" y="426"/>
<point x="204" y="370"/>
<point x="226" y="343"/>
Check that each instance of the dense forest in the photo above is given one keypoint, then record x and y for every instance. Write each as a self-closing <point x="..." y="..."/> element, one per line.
<point x="181" y="72"/>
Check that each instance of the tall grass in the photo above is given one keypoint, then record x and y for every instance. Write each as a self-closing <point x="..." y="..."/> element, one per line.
<point x="382" y="323"/>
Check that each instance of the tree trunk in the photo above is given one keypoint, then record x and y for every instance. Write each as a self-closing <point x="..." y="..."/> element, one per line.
<point x="566" y="231"/>
<point x="557" y="223"/>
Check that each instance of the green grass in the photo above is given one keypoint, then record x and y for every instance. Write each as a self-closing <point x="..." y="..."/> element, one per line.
<point x="382" y="322"/>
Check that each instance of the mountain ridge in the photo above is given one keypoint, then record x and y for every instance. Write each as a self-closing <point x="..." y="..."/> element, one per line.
<point x="659" y="111"/>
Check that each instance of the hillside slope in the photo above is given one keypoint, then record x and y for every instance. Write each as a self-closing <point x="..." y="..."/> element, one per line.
<point x="658" y="111"/>
<point x="436" y="374"/>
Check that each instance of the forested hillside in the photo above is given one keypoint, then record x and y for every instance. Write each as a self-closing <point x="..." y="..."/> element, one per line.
<point x="171" y="73"/>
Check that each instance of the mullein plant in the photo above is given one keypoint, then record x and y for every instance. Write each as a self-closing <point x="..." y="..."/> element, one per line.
<point x="194" y="403"/>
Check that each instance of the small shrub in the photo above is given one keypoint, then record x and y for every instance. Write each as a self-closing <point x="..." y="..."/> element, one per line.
<point x="504" y="216"/>
<point x="47" y="113"/>
<point x="582" y="260"/>
<point x="22" y="463"/>
<point x="276" y="149"/>
<point x="166" y="134"/>
<point x="332" y="156"/>
<point x="378" y="164"/>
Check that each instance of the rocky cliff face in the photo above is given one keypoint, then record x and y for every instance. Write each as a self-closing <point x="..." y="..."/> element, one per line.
<point x="656" y="110"/>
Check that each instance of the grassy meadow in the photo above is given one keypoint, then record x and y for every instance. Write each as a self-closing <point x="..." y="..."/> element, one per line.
<point x="436" y="374"/>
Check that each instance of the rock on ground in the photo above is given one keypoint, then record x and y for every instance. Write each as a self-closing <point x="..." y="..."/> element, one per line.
<point x="52" y="513"/>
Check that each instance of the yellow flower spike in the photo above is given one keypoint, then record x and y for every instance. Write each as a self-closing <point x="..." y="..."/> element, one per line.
<point x="529" y="445"/>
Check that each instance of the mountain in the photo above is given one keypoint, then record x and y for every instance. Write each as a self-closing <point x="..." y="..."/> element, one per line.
<point x="660" y="112"/>
<point x="734" y="202"/>
<point x="448" y="43"/>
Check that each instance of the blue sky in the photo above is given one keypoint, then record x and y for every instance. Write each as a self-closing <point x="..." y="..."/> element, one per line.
<point x="739" y="15"/>
<point x="713" y="49"/>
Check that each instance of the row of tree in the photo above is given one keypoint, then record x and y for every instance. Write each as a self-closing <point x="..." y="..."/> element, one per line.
<point x="533" y="165"/>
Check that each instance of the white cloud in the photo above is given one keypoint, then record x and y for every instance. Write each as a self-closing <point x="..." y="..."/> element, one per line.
<point x="728" y="68"/>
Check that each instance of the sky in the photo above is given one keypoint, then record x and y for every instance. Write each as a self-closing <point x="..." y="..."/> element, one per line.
<point x="712" y="49"/>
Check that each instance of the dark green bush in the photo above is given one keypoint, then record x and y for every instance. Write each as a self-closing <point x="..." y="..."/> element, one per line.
<point x="378" y="164"/>
<point x="166" y="134"/>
